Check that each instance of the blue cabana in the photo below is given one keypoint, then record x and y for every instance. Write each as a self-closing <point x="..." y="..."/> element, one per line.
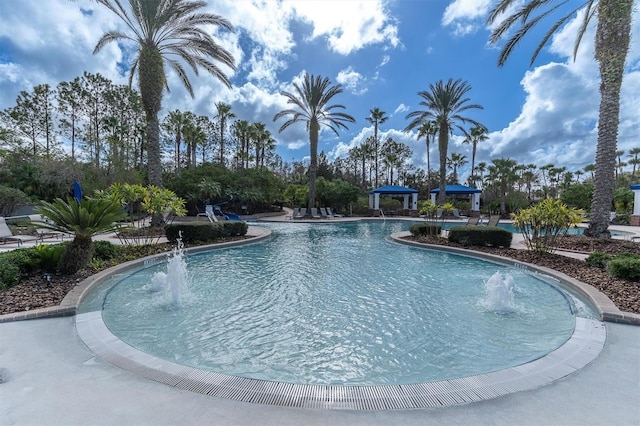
<point x="636" y="204"/>
<point x="460" y="189"/>
<point x="374" y="196"/>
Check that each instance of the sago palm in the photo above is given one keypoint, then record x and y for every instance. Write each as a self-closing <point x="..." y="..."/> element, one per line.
<point x="165" y="31"/>
<point x="612" y="39"/>
<point x="83" y="219"/>
<point x="311" y="106"/>
<point x="444" y="105"/>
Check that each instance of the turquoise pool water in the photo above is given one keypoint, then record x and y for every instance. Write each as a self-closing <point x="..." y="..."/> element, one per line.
<point x="340" y="304"/>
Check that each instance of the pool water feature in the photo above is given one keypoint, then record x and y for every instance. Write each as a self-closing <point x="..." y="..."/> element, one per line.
<point x="338" y="304"/>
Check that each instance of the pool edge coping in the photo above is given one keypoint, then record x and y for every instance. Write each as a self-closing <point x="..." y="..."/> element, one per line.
<point x="607" y="310"/>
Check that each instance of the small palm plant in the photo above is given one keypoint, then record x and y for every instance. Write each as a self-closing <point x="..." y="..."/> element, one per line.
<point x="83" y="219"/>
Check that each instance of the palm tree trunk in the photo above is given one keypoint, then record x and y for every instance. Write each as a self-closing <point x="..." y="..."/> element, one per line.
<point x="443" y="145"/>
<point x="314" y="129"/>
<point x="612" y="45"/>
<point x="151" y="75"/>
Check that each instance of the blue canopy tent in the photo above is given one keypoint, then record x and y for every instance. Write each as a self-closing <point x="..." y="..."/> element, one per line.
<point x="374" y="197"/>
<point x="460" y="189"/>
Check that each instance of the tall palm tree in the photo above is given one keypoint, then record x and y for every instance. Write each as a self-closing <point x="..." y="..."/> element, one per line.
<point x="633" y="153"/>
<point x="376" y="117"/>
<point x="612" y="39"/>
<point x="445" y="103"/>
<point x="503" y="171"/>
<point x="428" y="131"/>
<point x="475" y="135"/>
<point x="164" y="30"/>
<point x="455" y="161"/>
<point x="311" y="106"/>
<point x="224" y="114"/>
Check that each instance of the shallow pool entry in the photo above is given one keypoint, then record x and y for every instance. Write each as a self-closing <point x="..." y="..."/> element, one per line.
<point x="339" y="305"/>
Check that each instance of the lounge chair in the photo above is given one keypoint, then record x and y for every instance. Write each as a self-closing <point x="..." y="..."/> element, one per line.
<point x="7" y="236"/>
<point x="314" y="213"/>
<point x="208" y="213"/>
<point x="473" y="220"/>
<point x="494" y="219"/>
<point x="331" y="214"/>
<point x="294" y="213"/>
<point x="323" y="213"/>
<point x="301" y="214"/>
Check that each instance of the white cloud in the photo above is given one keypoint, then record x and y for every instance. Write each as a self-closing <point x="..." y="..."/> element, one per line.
<point x="466" y="16"/>
<point x="351" y="80"/>
<point x="356" y="24"/>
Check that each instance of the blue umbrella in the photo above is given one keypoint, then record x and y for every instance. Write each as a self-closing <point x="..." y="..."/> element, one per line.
<point x="77" y="191"/>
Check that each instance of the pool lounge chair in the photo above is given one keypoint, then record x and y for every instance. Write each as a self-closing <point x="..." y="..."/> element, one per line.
<point x="314" y="213"/>
<point x="331" y="214"/>
<point x="301" y="213"/>
<point x="494" y="219"/>
<point x="295" y="212"/>
<point x="325" y="213"/>
<point x="7" y="236"/>
<point x="473" y="220"/>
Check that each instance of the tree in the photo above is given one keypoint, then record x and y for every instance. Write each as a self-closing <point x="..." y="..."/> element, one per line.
<point x="164" y="30"/>
<point x="635" y="160"/>
<point x="311" y="106"/>
<point x="613" y="34"/>
<point x="503" y="172"/>
<point x="376" y="117"/>
<point x="428" y="131"/>
<point x="475" y="135"/>
<point x="445" y="103"/>
<point x="83" y="220"/>
<point x="174" y="124"/>
<point x="224" y="114"/>
<point x="455" y="161"/>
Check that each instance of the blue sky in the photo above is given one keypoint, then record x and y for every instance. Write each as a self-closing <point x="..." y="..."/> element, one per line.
<point x="382" y="52"/>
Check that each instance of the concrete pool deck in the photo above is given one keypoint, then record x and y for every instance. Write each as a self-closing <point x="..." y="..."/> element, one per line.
<point x="50" y="378"/>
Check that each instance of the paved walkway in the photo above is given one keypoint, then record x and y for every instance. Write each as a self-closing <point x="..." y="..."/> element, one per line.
<point x="51" y="378"/>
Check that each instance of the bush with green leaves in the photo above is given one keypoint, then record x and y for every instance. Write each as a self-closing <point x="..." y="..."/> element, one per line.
<point x="48" y="256"/>
<point x="598" y="259"/>
<point x="10" y="199"/>
<point x="205" y="232"/>
<point x="9" y="273"/>
<point x="104" y="250"/>
<point x="420" y="229"/>
<point x="625" y="266"/>
<point x="473" y="235"/>
<point x="542" y="224"/>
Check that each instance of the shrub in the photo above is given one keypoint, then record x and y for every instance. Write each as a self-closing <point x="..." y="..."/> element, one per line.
<point x="472" y="235"/>
<point x="48" y="256"/>
<point x="625" y="266"/>
<point x="9" y="273"/>
<point x="205" y="232"/>
<point x="543" y="223"/>
<point x="104" y="250"/>
<point x="419" y="229"/>
<point x="22" y="258"/>
<point x="598" y="259"/>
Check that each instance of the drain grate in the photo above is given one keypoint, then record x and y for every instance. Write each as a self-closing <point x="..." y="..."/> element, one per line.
<point x="585" y="344"/>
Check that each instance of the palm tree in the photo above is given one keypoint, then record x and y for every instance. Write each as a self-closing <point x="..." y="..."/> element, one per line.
<point x="311" y="106"/>
<point x="224" y="114"/>
<point x="612" y="39"/>
<point x="475" y="135"/>
<point x="164" y="30"/>
<point x="428" y="130"/>
<point x="376" y="118"/>
<point x="83" y="219"/>
<point x="174" y="123"/>
<point x="444" y="103"/>
<point x="456" y="160"/>
<point x="619" y="163"/>
<point x="633" y="153"/>
<point x="503" y="171"/>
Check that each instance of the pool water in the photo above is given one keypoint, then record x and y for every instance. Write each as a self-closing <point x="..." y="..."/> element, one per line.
<point x="340" y="304"/>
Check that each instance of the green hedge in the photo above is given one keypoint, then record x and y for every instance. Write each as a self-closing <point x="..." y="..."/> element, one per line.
<point x="625" y="266"/>
<point x="419" y="229"/>
<point x="472" y="235"/>
<point x="204" y="231"/>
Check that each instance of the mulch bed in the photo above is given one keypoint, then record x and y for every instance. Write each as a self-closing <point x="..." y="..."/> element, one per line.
<point x="34" y="291"/>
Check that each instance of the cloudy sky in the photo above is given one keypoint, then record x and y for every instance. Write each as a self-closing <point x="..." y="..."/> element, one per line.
<point x="382" y="51"/>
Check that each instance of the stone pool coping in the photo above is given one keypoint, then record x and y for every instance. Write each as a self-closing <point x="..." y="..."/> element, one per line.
<point x="605" y="308"/>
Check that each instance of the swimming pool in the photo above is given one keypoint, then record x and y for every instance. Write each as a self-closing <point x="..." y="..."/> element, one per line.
<point x="340" y="304"/>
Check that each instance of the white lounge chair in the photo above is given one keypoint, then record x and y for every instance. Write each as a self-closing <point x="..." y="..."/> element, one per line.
<point x="331" y="214"/>
<point x="7" y="236"/>
<point x="324" y="214"/>
<point x="301" y="214"/>
<point x="294" y="213"/>
<point x="314" y="213"/>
